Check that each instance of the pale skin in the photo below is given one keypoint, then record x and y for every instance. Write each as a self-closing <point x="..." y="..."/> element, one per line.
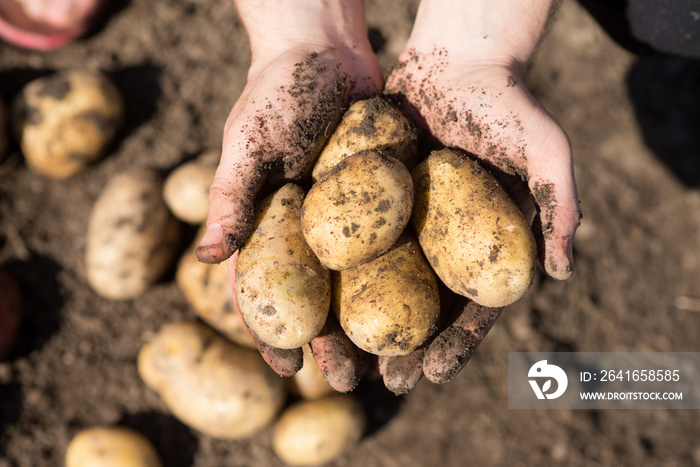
<point x="460" y="78"/>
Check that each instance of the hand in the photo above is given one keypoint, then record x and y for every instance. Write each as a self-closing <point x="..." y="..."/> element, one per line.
<point x="303" y="76"/>
<point x="472" y="96"/>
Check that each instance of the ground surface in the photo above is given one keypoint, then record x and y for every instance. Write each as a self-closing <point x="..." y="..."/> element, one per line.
<point x="634" y="128"/>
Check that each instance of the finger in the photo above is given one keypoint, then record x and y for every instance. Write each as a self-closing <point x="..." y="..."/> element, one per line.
<point x="401" y="374"/>
<point x="284" y="362"/>
<point x="342" y="364"/>
<point x="244" y="166"/>
<point x="553" y="187"/>
<point x="451" y="350"/>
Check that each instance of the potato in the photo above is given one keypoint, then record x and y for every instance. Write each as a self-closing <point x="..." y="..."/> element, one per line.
<point x="66" y="121"/>
<point x="11" y="311"/>
<point x="208" y="290"/>
<point x="390" y="305"/>
<point x="283" y="291"/>
<point x="132" y="237"/>
<point x="111" y="447"/>
<point x="369" y="124"/>
<point x="308" y="382"/>
<point x="209" y="383"/>
<point x="318" y="431"/>
<point x="474" y="236"/>
<point x="186" y="189"/>
<point x="358" y="210"/>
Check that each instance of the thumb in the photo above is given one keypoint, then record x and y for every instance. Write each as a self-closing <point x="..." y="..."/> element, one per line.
<point x="231" y="207"/>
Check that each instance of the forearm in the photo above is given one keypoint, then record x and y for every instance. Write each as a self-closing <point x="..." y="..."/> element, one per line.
<point x="273" y="25"/>
<point x="502" y="30"/>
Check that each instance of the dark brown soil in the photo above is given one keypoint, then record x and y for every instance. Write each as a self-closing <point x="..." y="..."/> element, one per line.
<point x="181" y="64"/>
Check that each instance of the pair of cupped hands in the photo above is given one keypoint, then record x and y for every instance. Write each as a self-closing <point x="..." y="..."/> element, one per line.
<point x="302" y="79"/>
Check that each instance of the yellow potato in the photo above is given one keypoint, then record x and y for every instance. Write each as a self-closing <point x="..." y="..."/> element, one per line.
<point x="210" y="384"/>
<point x="66" y="121"/>
<point x="111" y="447"/>
<point x="283" y="291"/>
<point x="474" y="236"/>
<point x="369" y="124"/>
<point x="390" y="305"/>
<point x="358" y="210"/>
<point x="308" y="382"/>
<point x="132" y="237"/>
<point x="186" y="189"/>
<point x="208" y="290"/>
<point x="318" y="431"/>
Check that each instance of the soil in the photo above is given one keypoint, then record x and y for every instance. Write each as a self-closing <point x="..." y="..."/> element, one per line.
<point x="181" y="65"/>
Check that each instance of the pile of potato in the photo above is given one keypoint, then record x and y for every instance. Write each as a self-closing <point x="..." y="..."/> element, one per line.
<point x="370" y="241"/>
<point x="373" y="239"/>
<point x="227" y="391"/>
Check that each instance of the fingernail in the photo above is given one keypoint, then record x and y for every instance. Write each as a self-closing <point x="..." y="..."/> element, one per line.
<point x="570" y="255"/>
<point x="213" y="236"/>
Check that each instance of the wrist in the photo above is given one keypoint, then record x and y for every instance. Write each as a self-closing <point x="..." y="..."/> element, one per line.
<point x="275" y="26"/>
<point x="499" y="32"/>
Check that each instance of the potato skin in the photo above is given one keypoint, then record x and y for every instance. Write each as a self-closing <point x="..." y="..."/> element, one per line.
<point x="390" y="305"/>
<point x="186" y="189"/>
<point x="67" y="120"/>
<point x="207" y="289"/>
<point x="209" y="383"/>
<point x="358" y="210"/>
<point x="131" y="236"/>
<point x="111" y="447"/>
<point x="282" y="289"/>
<point x="369" y="124"/>
<point x="318" y="431"/>
<point x="474" y="236"/>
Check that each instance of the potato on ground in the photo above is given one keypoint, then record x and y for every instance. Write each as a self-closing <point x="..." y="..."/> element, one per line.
<point x="10" y="313"/>
<point x="283" y="291"/>
<point x="209" y="383"/>
<point x="369" y="124"/>
<point x="207" y="289"/>
<point x="475" y="237"/>
<point x="318" y="431"/>
<point x="186" y="189"/>
<point x="390" y="305"/>
<point x="132" y="236"/>
<point x="66" y="121"/>
<point x="358" y="210"/>
<point x="111" y="447"/>
<point x="308" y="382"/>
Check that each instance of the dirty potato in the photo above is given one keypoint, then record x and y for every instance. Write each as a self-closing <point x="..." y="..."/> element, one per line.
<point x="358" y="210"/>
<point x="186" y="189"/>
<point x="66" y="121"/>
<point x="111" y="447"/>
<point x="131" y="236"/>
<point x="475" y="237"/>
<point x="318" y="431"/>
<point x="208" y="291"/>
<point x="369" y="124"/>
<point x="283" y="291"/>
<point x="209" y="383"/>
<point x="390" y="305"/>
